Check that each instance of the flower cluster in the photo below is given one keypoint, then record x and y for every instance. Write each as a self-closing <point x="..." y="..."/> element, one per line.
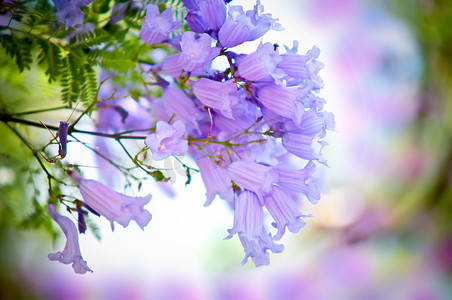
<point x="246" y="126"/>
<point x="255" y="129"/>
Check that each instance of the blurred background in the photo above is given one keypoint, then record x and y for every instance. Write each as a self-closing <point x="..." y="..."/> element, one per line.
<point x="382" y="230"/>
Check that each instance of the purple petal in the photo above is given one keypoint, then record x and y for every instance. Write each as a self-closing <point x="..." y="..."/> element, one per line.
<point x="71" y="252"/>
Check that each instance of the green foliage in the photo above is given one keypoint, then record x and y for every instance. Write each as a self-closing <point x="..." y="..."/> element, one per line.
<point x="50" y="58"/>
<point x="19" y="49"/>
<point x="72" y="79"/>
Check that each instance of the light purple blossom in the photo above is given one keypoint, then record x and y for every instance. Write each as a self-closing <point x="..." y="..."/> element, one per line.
<point x="156" y="27"/>
<point x="261" y="65"/>
<point x="237" y="28"/>
<point x="240" y="27"/>
<point x="213" y="13"/>
<point x="248" y="224"/>
<point x="175" y="101"/>
<point x="300" y="181"/>
<point x="302" y="68"/>
<point x="261" y="22"/>
<point x="195" y="22"/>
<point x="196" y="51"/>
<point x="167" y="140"/>
<point x="284" y="211"/>
<point x="69" y="11"/>
<point x="304" y="146"/>
<point x="71" y="253"/>
<point x="221" y="96"/>
<point x="252" y="176"/>
<point x="284" y="101"/>
<point x="113" y="205"/>
<point x="312" y="123"/>
<point x="216" y="180"/>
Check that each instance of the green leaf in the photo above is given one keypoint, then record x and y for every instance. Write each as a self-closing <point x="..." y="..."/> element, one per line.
<point x="117" y="60"/>
<point x="50" y="56"/>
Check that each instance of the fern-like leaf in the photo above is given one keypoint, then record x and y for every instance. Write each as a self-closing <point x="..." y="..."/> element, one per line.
<point x="50" y="56"/>
<point x="18" y="48"/>
<point x="72" y="79"/>
<point x="89" y="87"/>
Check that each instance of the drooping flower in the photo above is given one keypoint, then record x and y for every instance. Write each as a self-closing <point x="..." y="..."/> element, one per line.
<point x="302" y="69"/>
<point x="156" y="27"/>
<point x="175" y="101"/>
<point x="69" y="11"/>
<point x="261" y="22"/>
<point x="195" y="22"/>
<point x="304" y="146"/>
<point x="62" y="134"/>
<point x="220" y="96"/>
<point x="240" y="27"/>
<point x="254" y="177"/>
<point x="236" y="29"/>
<point x="216" y="180"/>
<point x="300" y="181"/>
<point x="167" y="140"/>
<point x="283" y="101"/>
<point x="261" y="65"/>
<point x="213" y="13"/>
<point x="113" y="205"/>
<point x="284" y="211"/>
<point x="248" y="224"/>
<point x="71" y="253"/>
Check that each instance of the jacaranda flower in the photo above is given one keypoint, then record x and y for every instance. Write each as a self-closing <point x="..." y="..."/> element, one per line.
<point x="283" y="209"/>
<point x="71" y="253"/>
<point x="156" y="27"/>
<point x="216" y="180"/>
<point x="167" y="140"/>
<point x="175" y="102"/>
<point x="62" y="134"/>
<point x="213" y="13"/>
<point x="261" y="65"/>
<point x="283" y="101"/>
<point x="220" y="96"/>
<point x="248" y="224"/>
<point x="240" y="27"/>
<point x="113" y="205"/>
<point x="254" y="177"/>
<point x="69" y="11"/>
<point x="196" y="51"/>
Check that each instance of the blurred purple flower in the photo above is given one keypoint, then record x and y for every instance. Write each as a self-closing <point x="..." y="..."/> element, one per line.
<point x="69" y="11"/>
<point x="167" y="140"/>
<point x="156" y="27"/>
<point x="71" y="253"/>
<point x="113" y="205"/>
